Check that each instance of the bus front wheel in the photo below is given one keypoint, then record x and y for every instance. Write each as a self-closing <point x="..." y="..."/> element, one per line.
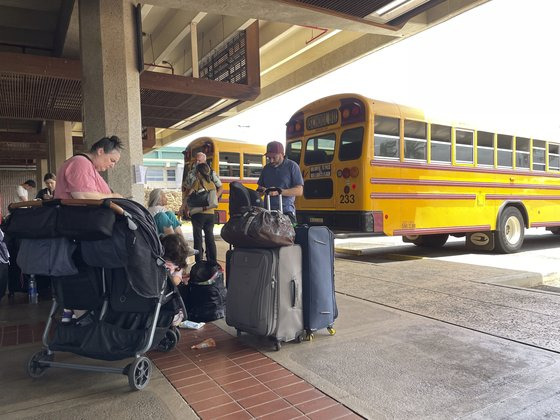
<point x="511" y="233"/>
<point x="430" y="241"/>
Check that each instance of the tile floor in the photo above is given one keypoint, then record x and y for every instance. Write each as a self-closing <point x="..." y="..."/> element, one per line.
<point x="234" y="381"/>
<point x="229" y="381"/>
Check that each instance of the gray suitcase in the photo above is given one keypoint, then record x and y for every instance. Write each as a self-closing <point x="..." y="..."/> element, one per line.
<point x="265" y="293"/>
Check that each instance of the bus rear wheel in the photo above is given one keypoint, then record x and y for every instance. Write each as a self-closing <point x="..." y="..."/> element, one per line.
<point x="430" y="241"/>
<point x="511" y="232"/>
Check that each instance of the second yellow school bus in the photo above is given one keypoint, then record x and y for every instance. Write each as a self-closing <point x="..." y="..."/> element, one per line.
<point x="372" y="166"/>
<point x="232" y="160"/>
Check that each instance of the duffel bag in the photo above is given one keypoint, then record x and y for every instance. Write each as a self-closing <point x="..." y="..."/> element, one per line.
<point x="259" y="228"/>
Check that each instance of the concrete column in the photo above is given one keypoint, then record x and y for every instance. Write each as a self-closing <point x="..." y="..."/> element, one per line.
<point x="42" y="169"/>
<point x="111" y="86"/>
<point x="60" y="143"/>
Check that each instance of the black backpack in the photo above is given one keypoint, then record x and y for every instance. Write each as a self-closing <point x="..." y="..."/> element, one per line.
<point x="205" y="294"/>
<point x="241" y="198"/>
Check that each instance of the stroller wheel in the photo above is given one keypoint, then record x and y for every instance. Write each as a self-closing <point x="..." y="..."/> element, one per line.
<point x="34" y="367"/>
<point x="177" y="333"/>
<point x="139" y="373"/>
<point x="168" y="342"/>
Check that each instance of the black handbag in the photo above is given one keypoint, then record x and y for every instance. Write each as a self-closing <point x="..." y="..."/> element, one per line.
<point x="198" y="199"/>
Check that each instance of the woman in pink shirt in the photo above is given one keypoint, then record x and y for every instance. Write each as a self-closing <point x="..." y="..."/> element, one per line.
<point x="78" y="177"/>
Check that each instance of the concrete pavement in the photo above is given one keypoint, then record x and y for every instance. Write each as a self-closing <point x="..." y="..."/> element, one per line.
<point x="415" y="339"/>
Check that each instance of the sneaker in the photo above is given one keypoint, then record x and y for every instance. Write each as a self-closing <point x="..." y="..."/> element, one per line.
<point x="67" y="316"/>
<point x="178" y="318"/>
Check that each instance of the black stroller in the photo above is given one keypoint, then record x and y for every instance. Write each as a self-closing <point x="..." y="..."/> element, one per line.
<point x="105" y="259"/>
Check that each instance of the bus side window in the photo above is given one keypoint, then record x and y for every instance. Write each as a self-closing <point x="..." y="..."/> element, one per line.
<point x="539" y="154"/>
<point x="386" y="138"/>
<point x="252" y="165"/>
<point x="229" y="164"/>
<point x="464" y="146"/>
<point x="522" y="160"/>
<point x="485" y="148"/>
<point x="553" y="157"/>
<point x="440" y="143"/>
<point x="505" y="151"/>
<point x="351" y="143"/>
<point x="415" y="140"/>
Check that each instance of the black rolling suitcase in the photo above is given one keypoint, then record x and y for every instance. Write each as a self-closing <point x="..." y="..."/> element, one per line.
<point x="319" y="301"/>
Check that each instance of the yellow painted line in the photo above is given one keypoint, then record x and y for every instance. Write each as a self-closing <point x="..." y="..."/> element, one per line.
<point x="400" y="257"/>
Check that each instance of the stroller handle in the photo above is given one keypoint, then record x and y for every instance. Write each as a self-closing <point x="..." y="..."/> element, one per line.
<point x="70" y="202"/>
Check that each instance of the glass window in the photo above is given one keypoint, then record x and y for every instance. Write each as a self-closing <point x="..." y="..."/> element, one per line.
<point x="553" y="157"/>
<point x="252" y="165"/>
<point x="171" y="177"/>
<point x="505" y="151"/>
<point x="229" y="164"/>
<point x="539" y="155"/>
<point x="522" y="147"/>
<point x="172" y="155"/>
<point x="386" y="138"/>
<point x="440" y="143"/>
<point x="320" y="149"/>
<point x="154" y="174"/>
<point x="415" y="140"/>
<point x="293" y="151"/>
<point x="464" y="146"/>
<point x="351" y="143"/>
<point x="485" y="148"/>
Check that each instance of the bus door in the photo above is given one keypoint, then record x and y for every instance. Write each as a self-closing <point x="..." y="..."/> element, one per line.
<point x="349" y="177"/>
<point x="318" y="171"/>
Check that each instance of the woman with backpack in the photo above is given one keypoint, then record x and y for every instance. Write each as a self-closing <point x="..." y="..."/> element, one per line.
<point x="203" y="220"/>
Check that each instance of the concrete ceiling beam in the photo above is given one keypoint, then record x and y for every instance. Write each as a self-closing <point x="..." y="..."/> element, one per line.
<point x="21" y="150"/>
<point x="180" y="36"/>
<point x="26" y="38"/>
<point x="171" y="32"/>
<point x="211" y="36"/>
<point x="28" y="19"/>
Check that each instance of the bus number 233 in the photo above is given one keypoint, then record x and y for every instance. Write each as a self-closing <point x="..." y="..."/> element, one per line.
<point x="347" y="198"/>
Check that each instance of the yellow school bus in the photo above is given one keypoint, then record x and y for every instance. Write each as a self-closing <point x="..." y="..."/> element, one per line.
<point x="372" y="166"/>
<point x="231" y="160"/>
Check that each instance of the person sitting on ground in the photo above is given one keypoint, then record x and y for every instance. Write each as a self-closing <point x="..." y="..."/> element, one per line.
<point x="47" y="193"/>
<point x="176" y="250"/>
<point x="166" y="221"/>
<point x="22" y="190"/>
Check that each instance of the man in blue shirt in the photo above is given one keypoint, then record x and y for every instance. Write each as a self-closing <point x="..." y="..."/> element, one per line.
<point x="281" y="173"/>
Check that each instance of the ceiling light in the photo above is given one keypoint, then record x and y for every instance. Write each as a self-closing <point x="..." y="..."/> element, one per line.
<point x="390" y="6"/>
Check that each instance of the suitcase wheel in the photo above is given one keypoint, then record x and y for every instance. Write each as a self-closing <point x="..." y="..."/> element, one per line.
<point x="238" y="332"/>
<point x="277" y="345"/>
<point x="301" y="337"/>
<point x="331" y="330"/>
<point x="309" y="336"/>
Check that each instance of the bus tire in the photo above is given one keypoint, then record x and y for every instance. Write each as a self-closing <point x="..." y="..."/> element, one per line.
<point x="511" y="232"/>
<point x="431" y="241"/>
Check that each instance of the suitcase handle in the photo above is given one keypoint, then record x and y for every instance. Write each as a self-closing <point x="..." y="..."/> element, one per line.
<point x="293" y="288"/>
<point x="267" y="194"/>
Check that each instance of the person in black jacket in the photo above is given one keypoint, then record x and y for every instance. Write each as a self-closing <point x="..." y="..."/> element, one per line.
<point x="47" y="193"/>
